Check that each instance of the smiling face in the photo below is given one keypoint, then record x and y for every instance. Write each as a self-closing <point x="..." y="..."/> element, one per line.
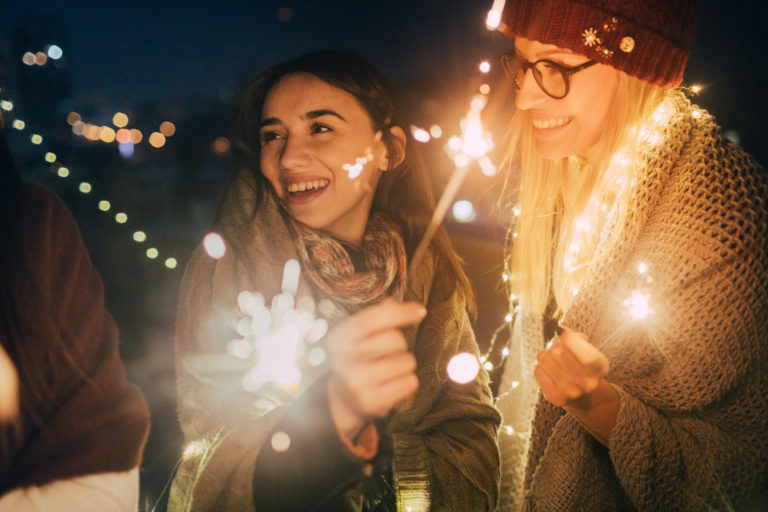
<point x="314" y="137"/>
<point x="571" y="125"/>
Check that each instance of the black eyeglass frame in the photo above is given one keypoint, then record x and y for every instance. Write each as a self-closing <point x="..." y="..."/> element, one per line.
<point x="508" y="61"/>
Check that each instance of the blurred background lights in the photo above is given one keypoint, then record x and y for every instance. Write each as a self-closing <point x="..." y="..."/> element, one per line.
<point x="121" y="218"/>
<point x="50" y="157"/>
<point x="280" y="441"/>
<point x="78" y="127"/>
<point x="136" y="136"/>
<point x="55" y="52"/>
<point x="463" y="211"/>
<point x="73" y="117"/>
<point x="28" y="58"/>
<point x="139" y="236"/>
<point x="167" y="128"/>
<point x="420" y="134"/>
<point x="152" y="253"/>
<point x="171" y="263"/>
<point x="157" y="140"/>
<point x="19" y="124"/>
<point x="120" y="119"/>
<point x="463" y="368"/>
<point x="85" y="187"/>
<point x="104" y="205"/>
<point x="36" y="139"/>
<point x="6" y="105"/>
<point x="435" y="131"/>
<point x="123" y="135"/>
<point x="107" y="134"/>
<point x="221" y="145"/>
<point x="485" y="89"/>
<point x="214" y="245"/>
<point x="41" y="58"/>
<point x="125" y="149"/>
<point x="63" y="172"/>
<point x="484" y="66"/>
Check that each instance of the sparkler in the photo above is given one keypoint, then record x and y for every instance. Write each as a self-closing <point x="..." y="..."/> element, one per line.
<point x="473" y="145"/>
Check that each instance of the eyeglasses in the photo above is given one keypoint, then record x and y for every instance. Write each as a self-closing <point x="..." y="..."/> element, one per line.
<point x="553" y="78"/>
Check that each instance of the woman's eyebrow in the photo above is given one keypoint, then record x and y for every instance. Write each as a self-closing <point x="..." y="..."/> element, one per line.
<point x="546" y="53"/>
<point x="314" y="114"/>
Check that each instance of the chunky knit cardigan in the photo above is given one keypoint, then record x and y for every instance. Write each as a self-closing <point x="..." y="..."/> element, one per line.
<point x="444" y="440"/>
<point x="692" y="429"/>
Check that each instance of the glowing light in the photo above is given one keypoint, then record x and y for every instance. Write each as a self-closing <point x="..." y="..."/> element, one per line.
<point x="488" y="366"/>
<point x="139" y="236"/>
<point x="19" y="124"/>
<point x="36" y="139"/>
<point x="78" y="127"/>
<point x="638" y="304"/>
<point x="484" y="66"/>
<point x="171" y="263"/>
<point x="157" y="140"/>
<point x="167" y="128"/>
<point x="291" y="273"/>
<point x="642" y="268"/>
<point x="50" y="157"/>
<point x="152" y="253"/>
<point x="454" y="143"/>
<point x="104" y="205"/>
<point x="72" y="118"/>
<point x="123" y="135"/>
<point x="420" y="134"/>
<point x="474" y="140"/>
<point x="121" y="218"/>
<point x="696" y="88"/>
<point x="194" y="449"/>
<point x="28" y="58"/>
<point x="509" y="430"/>
<point x="136" y="136"/>
<point x="505" y="277"/>
<point x="107" y="134"/>
<point x="6" y="105"/>
<point x="486" y="166"/>
<point x="485" y="89"/>
<point x="435" y="131"/>
<point x="214" y="245"/>
<point x="120" y="120"/>
<point x="461" y="160"/>
<point x="463" y="368"/>
<point x="280" y="441"/>
<point x="354" y="170"/>
<point x="85" y="187"/>
<point x="55" y="52"/>
<point x="696" y="114"/>
<point x="63" y="172"/>
<point x="508" y="317"/>
<point x="221" y="145"/>
<point x="463" y="211"/>
<point x="493" y="20"/>
<point x="125" y="149"/>
<point x="92" y="132"/>
<point x="478" y="103"/>
<point x="41" y="58"/>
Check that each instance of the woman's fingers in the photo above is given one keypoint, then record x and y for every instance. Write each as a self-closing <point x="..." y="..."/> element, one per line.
<point x="586" y="353"/>
<point x="389" y="314"/>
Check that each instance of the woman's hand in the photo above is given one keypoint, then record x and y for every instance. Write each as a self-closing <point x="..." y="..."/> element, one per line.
<point x="373" y="370"/>
<point x="571" y="373"/>
<point x="9" y="388"/>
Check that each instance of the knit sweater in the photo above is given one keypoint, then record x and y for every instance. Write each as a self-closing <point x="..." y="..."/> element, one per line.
<point x="692" y="428"/>
<point x="445" y="455"/>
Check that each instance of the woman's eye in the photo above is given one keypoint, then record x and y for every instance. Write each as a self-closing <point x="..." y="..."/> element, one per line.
<point x="319" y="128"/>
<point x="269" y="137"/>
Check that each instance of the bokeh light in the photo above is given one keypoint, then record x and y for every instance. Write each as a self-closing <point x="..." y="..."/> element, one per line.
<point x="73" y="117"/>
<point x="157" y="140"/>
<point x="280" y="441"/>
<point x="171" y="263"/>
<point x="50" y="157"/>
<point x="120" y="120"/>
<point x="214" y="245"/>
<point x="36" y="139"/>
<point x="484" y="66"/>
<point x="221" y="145"/>
<point x="104" y="205"/>
<point x="121" y="218"/>
<point x="85" y="187"/>
<point x="167" y="128"/>
<point x="55" y="52"/>
<point x="139" y="236"/>
<point x="19" y="124"/>
<point x="28" y="58"/>
<point x="152" y="253"/>
<point x="63" y="172"/>
<point x="463" y="211"/>
<point x="463" y="368"/>
<point x="107" y="134"/>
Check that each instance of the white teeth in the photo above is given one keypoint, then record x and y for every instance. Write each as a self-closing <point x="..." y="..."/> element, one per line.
<point x="307" y="185"/>
<point x="549" y="123"/>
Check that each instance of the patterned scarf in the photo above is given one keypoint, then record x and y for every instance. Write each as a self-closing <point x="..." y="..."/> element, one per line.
<point x="328" y="264"/>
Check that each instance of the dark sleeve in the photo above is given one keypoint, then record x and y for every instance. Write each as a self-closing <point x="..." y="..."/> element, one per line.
<point x="315" y="468"/>
<point x="95" y="421"/>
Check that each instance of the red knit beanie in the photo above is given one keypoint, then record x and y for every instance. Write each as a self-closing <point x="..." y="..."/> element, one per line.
<point x="648" y="39"/>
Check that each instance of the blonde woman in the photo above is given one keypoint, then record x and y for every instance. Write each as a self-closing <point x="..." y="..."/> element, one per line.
<point x="636" y="376"/>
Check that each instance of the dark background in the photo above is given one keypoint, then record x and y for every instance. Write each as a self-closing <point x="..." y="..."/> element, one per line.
<point x="184" y="61"/>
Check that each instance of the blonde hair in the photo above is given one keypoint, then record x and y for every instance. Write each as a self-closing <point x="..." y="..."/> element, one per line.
<point x="554" y="193"/>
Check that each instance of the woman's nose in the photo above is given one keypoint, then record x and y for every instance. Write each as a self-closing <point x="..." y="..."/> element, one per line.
<point x="529" y="94"/>
<point x="295" y="154"/>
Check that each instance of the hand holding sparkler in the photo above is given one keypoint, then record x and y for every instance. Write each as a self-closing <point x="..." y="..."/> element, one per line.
<point x="571" y="373"/>
<point x="373" y="371"/>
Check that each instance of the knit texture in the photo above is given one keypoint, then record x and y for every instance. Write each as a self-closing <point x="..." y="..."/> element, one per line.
<point x="648" y="39"/>
<point x="445" y="452"/>
<point x="692" y="429"/>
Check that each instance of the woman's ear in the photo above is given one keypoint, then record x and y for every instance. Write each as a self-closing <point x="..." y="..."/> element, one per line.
<point x="394" y="153"/>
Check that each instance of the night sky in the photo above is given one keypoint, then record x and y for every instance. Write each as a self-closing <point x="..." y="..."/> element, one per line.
<point x="132" y="51"/>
